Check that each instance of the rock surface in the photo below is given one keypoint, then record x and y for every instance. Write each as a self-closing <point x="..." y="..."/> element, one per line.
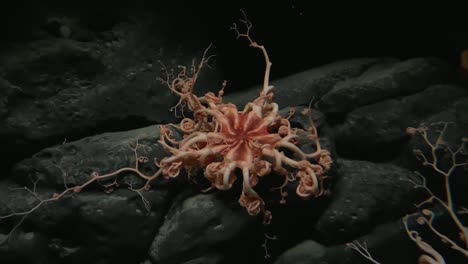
<point x="195" y="227"/>
<point x="382" y="81"/>
<point x="58" y="87"/>
<point x="92" y="227"/>
<point x="379" y="129"/>
<point x="75" y="99"/>
<point x="73" y="162"/>
<point x="364" y="195"/>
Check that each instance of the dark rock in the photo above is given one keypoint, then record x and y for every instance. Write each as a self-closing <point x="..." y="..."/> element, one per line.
<point x="306" y="252"/>
<point x="8" y="93"/>
<point x="26" y="247"/>
<point x="384" y="81"/>
<point x="461" y="111"/>
<point x="208" y="259"/>
<point x="89" y="227"/>
<point x="387" y="242"/>
<point x="366" y="194"/>
<point x="379" y="130"/>
<point x="73" y="162"/>
<point x="199" y="224"/>
<point x="72" y="88"/>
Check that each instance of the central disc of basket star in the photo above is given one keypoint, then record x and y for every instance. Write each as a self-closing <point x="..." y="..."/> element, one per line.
<point x="245" y="134"/>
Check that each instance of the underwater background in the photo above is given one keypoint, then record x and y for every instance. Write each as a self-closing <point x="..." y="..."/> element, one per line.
<point x="79" y="89"/>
